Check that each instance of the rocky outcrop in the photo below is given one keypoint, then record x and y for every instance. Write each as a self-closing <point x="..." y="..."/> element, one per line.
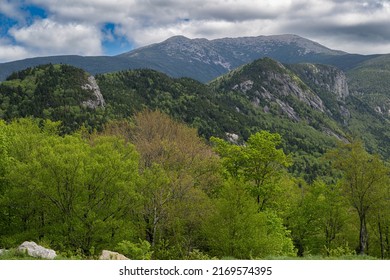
<point x="109" y="255"/>
<point x="232" y="137"/>
<point x="97" y="99"/>
<point x="288" y="110"/>
<point x="244" y="86"/>
<point x="36" y="251"/>
<point x="340" y="85"/>
<point x="269" y="82"/>
<point x="329" y="78"/>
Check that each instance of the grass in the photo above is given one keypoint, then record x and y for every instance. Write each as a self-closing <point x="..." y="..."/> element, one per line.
<point x="14" y="254"/>
<point x="324" y="258"/>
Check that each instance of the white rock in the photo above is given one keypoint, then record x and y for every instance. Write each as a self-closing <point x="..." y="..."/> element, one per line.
<point x="98" y="100"/>
<point x="34" y="250"/>
<point x="232" y="137"/>
<point x="109" y="255"/>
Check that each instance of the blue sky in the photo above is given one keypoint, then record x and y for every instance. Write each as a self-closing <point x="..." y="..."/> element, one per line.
<point x="31" y="28"/>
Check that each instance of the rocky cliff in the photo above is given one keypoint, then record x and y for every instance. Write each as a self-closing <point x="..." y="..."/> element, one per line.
<point x="97" y="99"/>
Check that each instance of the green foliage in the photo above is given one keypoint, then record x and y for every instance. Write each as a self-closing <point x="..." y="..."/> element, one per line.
<point x="259" y="162"/>
<point x="199" y="255"/>
<point x="149" y="186"/>
<point x="14" y="254"/>
<point x="135" y="251"/>
<point x="318" y="218"/>
<point x="238" y="230"/>
<point x="364" y="182"/>
<point x="4" y="155"/>
<point x="75" y="192"/>
<point x="52" y="92"/>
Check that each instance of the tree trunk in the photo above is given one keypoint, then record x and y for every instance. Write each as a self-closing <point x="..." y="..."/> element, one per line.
<point x="363" y="237"/>
<point x="382" y="245"/>
<point x="387" y="241"/>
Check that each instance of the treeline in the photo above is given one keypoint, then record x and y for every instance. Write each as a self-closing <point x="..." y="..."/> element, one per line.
<point x="150" y="187"/>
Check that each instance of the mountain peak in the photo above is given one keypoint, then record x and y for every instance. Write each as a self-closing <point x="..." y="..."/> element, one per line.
<point x="177" y="38"/>
<point x="200" y="58"/>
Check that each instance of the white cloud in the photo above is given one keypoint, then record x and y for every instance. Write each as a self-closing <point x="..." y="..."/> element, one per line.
<point x="11" y="9"/>
<point x="75" y="26"/>
<point x="11" y="53"/>
<point x="47" y="37"/>
<point x="91" y="11"/>
<point x="146" y="21"/>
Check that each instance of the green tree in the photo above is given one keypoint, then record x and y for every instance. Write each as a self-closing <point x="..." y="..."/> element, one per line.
<point x="260" y="162"/>
<point x="179" y="172"/>
<point x="317" y="218"/>
<point x="4" y="157"/>
<point x="238" y="230"/>
<point x="364" y="179"/>
<point x="78" y="192"/>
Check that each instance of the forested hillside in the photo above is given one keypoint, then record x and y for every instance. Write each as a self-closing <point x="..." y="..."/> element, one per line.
<point x="56" y="92"/>
<point x="264" y="162"/>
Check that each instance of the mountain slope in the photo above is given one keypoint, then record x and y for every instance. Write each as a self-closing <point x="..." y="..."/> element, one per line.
<point x="201" y="59"/>
<point x="310" y="105"/>
<point x="57" y="92"/>
<point x="91" y="64"/>
<point x="204" y="59"/>
<point x="274" y="90"/>
<point x="370" y="81"/>
<point x="355" y="112"/>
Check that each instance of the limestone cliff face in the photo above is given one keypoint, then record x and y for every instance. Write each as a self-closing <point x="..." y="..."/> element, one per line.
<point x="329" y="78"/>
<point x="271" y="84"/>
<point x="97" y="99"/>
<point x="275" y="89"/>
<point x="331" y="84"/>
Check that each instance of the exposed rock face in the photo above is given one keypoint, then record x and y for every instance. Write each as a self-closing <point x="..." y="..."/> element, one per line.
<point x="201" y="50"/>
<point x="97" y="97"/>
<point x="328" y="78"/>
<point x="284" y="84"/>
<point x="244" y="86"/>
<point x="34" y="250"/>
<point x="232" y="137"/>
<point x="275" y="84"/>
<point x="109" y="255"/>
<point x="340" y="85"/>
<point x="331" y="83"/>
<point x="288" y="110"/>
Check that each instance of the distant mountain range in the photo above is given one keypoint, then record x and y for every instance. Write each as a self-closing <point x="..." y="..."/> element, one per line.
<point x="202" y="59"/>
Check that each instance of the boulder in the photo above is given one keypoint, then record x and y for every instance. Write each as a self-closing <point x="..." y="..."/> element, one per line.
<point x="34" y="250"/>
<point x="109" y="255"/>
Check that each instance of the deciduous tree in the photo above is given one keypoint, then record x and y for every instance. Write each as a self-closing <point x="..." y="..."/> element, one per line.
<point x="364" y="181"/>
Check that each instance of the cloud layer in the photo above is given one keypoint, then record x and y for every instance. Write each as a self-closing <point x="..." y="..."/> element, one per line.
<point x="92" y="27"/>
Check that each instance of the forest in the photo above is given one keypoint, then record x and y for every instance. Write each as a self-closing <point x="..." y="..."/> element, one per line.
<point x="150" y="187"/>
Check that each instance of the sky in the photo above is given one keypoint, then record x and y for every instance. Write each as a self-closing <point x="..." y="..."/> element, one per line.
<point x="30" y="28"/>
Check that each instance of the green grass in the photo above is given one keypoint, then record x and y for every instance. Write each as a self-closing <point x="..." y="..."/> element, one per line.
<point x="14" y="254"/>
<point x="320" y="257"/>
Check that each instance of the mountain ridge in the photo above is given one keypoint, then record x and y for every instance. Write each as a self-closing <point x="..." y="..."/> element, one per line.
<point x="306" y="104"/>
<point x="201" y="59"/>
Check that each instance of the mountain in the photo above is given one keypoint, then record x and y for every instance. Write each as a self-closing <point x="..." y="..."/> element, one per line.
<point x="370" y="81"/>
<point x="201" y="59"/>
<point x="204" y="59"/>
<point x="57" y="92"/>
<point x="91" y="64"/>
<point x="311" y="105"/>
<point x="353" y="111"/>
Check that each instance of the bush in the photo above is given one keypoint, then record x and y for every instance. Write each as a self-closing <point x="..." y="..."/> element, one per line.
<point x="135" y="251"/>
